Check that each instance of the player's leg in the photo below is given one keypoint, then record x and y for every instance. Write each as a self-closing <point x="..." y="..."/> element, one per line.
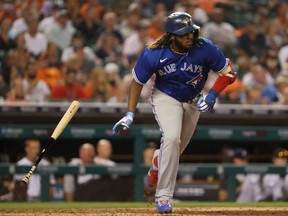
<point x="168" y="113"/>
<point x="190" y="119"/>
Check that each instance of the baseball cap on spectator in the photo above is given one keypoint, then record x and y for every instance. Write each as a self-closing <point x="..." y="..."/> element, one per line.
<point x="111" y="68"/>
<point x="62" y="12"/>
<point x="143" y="24"/>
<point x="240" y="153"/>
<point x="280" y="153"/>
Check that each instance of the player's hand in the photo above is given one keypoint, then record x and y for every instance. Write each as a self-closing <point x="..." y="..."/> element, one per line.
<point x="207" y="102"/>
<point x="124" y="123"/>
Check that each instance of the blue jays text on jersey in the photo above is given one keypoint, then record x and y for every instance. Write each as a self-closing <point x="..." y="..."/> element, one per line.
<point x="182" y="76"/>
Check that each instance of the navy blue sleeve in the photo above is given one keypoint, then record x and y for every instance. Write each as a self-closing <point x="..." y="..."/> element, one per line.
<point x="144" y="67"/>
<point x="215" y="57"/>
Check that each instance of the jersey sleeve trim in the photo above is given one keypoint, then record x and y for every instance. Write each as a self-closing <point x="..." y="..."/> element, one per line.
<point x="225" y="66"/>
<point x="135" y="78"/>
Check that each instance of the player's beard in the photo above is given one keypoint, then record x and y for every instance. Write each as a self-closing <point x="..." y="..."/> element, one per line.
<point x="181" y="47"/>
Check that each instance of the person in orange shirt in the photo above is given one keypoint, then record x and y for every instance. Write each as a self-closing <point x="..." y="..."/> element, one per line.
<point x="49" y="66"/>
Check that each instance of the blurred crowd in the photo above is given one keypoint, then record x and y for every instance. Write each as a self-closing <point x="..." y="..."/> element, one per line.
<point x="85" y="49"/>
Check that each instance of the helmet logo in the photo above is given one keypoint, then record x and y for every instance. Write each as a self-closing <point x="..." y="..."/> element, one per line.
<point x="186" y="21"/>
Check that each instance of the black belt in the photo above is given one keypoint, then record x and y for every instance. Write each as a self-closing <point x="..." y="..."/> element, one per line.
<point x="193" y="100"/>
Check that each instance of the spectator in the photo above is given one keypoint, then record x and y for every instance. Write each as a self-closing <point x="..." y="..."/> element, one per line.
<point x="248" y="186"/>
<point x="283" y="59"/>
<point x="220" y="32"/>
<point x="108" y="48"/>
<point x="88" y="26"/>
<point x="23" y="55"/>
<point x="159" y="8"/>
<point x="49" y="66"/>
<point x="48" y="20"/>
<point x="274" y="39"/>
<point x="32" y="150"/>
<point x="98" y="8"/>
<point x="252" y="42"/>
<point x="61" y="31"/>
<point x="275" y="186"/>
<point x="259" y="80"/>
<point x="97" y="88"/>
<point x="281" y="83"/>
<point x="75" y="187"/>
<point x="6" y="43"/>
<point x="78" y="50"/>
<point x="129" y="24"/>
<point x="70" y="89"/>
<point x="4" y="88"/>
<point x="6" y="189"/>
<point x="93" y="187"/>
<point x="112" y="71"/>
<point x="198" y="14"/>
<point x="14" y="74"/>
<point x="103" y="153"/>
<point x="36" y="42"/>
<point x="271" y="63"/>
<point x="139" y="40"/>
<point x="145" y="7"/>
<point x="34" y="89"/>
<point x="156" y="27"/>
<point x="109" y="26"/>
<point x="20" y="24"/>
<point x="73" y="9"/>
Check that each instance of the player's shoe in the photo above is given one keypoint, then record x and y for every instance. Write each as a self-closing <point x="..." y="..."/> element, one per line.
<point x="152" y="176"/>
<point x="164" y="206"/>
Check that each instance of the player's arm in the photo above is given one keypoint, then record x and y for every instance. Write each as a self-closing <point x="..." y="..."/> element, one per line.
<point x="134" y="95"/>
<point x="133" y="98"/>
<point x="225" y="78"/>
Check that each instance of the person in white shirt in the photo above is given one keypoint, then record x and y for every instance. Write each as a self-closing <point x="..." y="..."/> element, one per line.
<point x="72" y="184"/>
<point x="275" y="186"/>
<point x="32" y="150"/>
<point x="34" y="89"/>
<point x="20" y="24"/>
<point x="36" y="42"/>
<point x="61" y="31"/>
<point x="104" y="152"/>
<point x="248" y="185"/>
<point x="84" y="54"/>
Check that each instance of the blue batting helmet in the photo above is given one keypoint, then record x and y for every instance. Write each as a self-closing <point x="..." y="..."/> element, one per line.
<point x="180" y="23"/>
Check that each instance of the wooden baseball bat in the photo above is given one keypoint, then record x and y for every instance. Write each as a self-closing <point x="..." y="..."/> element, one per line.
<point x="70" y="112"/>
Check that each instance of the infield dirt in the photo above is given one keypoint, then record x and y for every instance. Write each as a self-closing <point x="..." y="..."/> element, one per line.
<point x="279" y="211"/>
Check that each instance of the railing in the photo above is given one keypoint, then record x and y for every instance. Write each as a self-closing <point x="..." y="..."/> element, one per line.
<point x="139" y="171"/>
<point x="98" y="107"/>
<point x="140" y="133"/>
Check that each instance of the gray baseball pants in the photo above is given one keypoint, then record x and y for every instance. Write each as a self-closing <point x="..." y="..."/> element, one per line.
<point x="177" y="122"/>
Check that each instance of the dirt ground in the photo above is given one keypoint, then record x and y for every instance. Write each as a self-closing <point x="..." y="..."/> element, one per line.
<point x="279" y="211"/>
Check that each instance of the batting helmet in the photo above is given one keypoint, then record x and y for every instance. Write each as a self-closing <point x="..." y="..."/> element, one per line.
<point x="180" y="23"/>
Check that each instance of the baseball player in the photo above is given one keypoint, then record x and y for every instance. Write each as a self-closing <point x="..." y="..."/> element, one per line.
<point x="181" y="61"/>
